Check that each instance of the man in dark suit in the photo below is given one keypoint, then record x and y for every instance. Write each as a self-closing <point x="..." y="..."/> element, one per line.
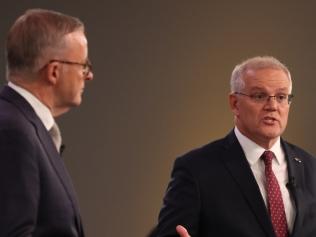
<point x="251" y="183"/>
<point x="47" y="66"/>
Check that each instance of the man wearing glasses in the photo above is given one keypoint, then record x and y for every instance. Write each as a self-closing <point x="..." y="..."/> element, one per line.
<point x="251" y="183"/>
<point x="47" y="67"/>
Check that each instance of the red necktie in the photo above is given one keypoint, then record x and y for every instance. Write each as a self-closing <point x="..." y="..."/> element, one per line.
<point x="275" y="202"/>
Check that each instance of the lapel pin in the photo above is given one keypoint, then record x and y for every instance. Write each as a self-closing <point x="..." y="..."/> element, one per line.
<point x="298" y="160"/>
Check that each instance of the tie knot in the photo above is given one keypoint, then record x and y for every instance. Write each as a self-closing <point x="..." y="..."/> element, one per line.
<point x="267" y="157"/>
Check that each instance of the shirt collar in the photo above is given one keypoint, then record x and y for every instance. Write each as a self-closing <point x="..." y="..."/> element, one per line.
<point x="253" y="151"/>
<point x="40" y="109"/>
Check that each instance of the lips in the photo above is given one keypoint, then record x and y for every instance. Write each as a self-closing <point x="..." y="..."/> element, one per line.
<point x="270" y="120"/>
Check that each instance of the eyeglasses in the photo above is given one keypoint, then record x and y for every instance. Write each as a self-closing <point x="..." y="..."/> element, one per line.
<point x="263" y="97"/>
<point x="87" y="66"/>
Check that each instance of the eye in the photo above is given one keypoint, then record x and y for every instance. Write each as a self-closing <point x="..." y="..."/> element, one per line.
<point x="281" y="97"/>
<point x="85" y="66"/>
<point x="259" y="96"/>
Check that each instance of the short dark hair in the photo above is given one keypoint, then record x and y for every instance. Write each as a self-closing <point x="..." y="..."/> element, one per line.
<point x="35" y="33"/>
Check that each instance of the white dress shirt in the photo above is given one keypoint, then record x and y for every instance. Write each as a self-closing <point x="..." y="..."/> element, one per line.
<point x="253" y="153"/>
<point x="40" y="109"/>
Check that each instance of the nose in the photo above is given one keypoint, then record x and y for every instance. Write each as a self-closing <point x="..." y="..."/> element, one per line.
<point x="89" y="77"/>
<point x="271" y="103"/>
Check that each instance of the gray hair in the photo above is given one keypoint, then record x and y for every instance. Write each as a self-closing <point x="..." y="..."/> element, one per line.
<point x="35" y="35"/>
<point x="261" y="62"/>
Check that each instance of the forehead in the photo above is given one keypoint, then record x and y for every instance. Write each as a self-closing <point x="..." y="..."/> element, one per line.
<point x="267" y="79"/>
<point x="76" y="44"/>
<point x="76" y="38"/>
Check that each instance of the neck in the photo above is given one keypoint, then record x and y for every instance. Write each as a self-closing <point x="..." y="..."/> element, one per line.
<point x="42" y="89"/>
<point x="36" y="88"/>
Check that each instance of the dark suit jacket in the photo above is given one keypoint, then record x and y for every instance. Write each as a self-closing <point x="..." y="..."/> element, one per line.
<point x="36" y="194"/>
<point x="213" y="193"/>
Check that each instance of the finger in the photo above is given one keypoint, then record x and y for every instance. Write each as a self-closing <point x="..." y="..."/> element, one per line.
<point x="182" y="231"/>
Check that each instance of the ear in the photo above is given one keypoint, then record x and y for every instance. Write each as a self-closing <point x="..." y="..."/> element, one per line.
<point x="53" y="72"/>
<point x="234" y="103"/>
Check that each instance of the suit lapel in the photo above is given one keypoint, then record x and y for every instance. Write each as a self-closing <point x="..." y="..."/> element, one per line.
<point x="236" y="162"/>
<point x="17" y="100"/>
<point x="55" y="160"/>
<point x="60" y="168"/>
<point x="296" y="184"/>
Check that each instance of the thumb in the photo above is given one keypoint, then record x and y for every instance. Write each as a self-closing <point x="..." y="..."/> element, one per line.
<point x="182" y="231"/>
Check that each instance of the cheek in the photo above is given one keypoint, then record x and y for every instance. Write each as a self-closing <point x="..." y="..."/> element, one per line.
<point x="79" y="81"/>
<point x="249" y="118"/>
<point x="284" y="115"/>
<point x="74" y="83"/>
<point x="252" y="112"/>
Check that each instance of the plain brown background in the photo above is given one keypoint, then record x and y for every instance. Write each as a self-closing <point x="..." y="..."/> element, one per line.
<point x="162" y="72"/>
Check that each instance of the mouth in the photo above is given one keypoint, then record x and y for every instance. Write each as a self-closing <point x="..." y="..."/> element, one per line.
<point x="269" y="120"/>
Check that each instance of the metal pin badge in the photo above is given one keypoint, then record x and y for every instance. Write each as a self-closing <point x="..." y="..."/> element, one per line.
<point x="298" y="159"/>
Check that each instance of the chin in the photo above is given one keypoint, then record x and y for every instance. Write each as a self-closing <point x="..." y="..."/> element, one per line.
<point x="74" y="104"/>
<point x="77" y="102"/>
<point x="272" y="131"/>
<point x="272" y="135"/>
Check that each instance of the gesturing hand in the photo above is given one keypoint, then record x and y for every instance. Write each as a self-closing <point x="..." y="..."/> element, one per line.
<point x="182" y="231"/>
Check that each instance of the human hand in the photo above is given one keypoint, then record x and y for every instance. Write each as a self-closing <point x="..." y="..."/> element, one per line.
<point x="182" y="231"/>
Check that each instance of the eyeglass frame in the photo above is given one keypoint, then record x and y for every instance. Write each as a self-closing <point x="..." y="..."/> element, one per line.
<point x="267" y="97"/>
<point x="87" y="66"/>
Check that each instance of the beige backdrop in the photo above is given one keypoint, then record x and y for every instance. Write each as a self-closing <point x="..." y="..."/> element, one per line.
<point x="162" y="73"/>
